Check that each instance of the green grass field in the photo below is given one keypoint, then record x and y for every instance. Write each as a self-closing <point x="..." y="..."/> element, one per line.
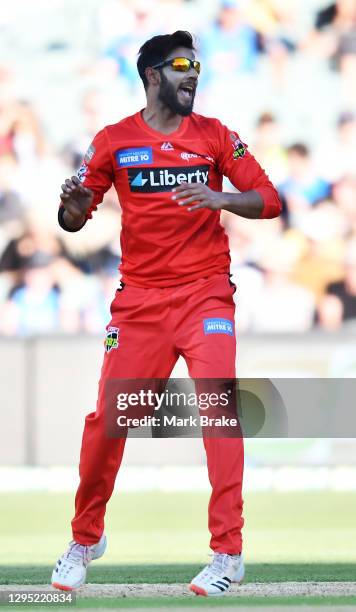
<point x="201" y="602"/>
<point x="163" y="537"/>
<point x="281" y="603"/>
<point x="305" y="527"/>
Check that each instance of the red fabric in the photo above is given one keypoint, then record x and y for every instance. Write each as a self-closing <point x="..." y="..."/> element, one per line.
<point x="155" y="327"/>
<point x="162" y="243"/>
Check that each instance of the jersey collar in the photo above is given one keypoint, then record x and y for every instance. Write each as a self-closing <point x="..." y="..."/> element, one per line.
<point x="178" y="132"/>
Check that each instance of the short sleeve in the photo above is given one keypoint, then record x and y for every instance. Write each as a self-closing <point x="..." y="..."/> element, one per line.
<point x="245" y="173"/>
<point x="96" y="170"/>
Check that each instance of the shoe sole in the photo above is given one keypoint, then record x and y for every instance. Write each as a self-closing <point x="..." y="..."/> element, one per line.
<point x="198" y="590"/>
<point x="62" y="587"/>
<point x="203" y="593"/>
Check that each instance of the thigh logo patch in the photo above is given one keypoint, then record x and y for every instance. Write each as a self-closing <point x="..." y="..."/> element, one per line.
<point x="218" y="326"/>
<point x="112" y="338"/>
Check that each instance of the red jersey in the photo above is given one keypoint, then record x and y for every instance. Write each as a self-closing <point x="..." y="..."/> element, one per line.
<point x="162" y="243"/>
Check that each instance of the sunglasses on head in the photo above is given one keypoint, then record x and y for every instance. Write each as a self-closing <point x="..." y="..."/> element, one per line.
<point x="180" y="64"/>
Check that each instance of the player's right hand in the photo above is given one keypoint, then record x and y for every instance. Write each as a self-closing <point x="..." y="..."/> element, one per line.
<point x="76" y="198"/>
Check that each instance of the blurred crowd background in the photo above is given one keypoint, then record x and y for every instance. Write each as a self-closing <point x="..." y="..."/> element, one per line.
<point x="281" y="73"/>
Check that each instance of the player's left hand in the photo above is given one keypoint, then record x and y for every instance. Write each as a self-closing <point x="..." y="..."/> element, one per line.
<point x="186" y="193"/>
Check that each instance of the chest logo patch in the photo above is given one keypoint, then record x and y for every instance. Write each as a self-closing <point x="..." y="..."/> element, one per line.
<point x="147" y="180"/>
<point x="134" y="157"/>
<point x="167" y="146"/>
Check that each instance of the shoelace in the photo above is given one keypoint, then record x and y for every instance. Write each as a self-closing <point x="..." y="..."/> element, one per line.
<point x="78" y="554"/>
<point x="219" y="563"/>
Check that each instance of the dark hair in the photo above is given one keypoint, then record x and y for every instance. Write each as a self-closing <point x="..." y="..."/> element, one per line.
<point x="299" y="148"/>
<point x="158" y="48"/>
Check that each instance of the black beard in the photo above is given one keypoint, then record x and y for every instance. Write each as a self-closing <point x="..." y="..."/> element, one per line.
<point x="168" y="96"/>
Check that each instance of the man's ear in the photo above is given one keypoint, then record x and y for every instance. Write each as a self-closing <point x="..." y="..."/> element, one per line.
<point x="153" y="76"/>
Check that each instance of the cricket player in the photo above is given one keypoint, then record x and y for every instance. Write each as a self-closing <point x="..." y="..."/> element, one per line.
<point x="175" y="297"/>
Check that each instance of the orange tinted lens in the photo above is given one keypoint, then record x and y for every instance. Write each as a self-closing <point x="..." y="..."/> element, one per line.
<point x="182" y="64"/>
<point x="197" y="66"/>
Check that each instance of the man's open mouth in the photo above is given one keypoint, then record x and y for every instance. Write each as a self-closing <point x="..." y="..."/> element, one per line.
<point x="186" y="92"/>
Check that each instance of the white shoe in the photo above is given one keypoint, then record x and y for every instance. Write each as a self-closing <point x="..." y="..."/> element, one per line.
<point x="215" y="579"/>
<point x="71" y="569"/>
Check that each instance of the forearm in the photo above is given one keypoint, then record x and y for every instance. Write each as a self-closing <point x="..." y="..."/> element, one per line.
<point x="248" y="204"/>
<point x="68" y="222"/>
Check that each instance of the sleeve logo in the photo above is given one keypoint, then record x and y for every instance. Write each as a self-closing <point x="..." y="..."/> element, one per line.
<point x="239" y="149"/>
<point x="112" y="339"/>
<point x="82" y="172"/>
<point x="89" y="154"/>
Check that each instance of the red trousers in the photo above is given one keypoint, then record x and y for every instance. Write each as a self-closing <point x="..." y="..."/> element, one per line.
<point x="149" y="330"/>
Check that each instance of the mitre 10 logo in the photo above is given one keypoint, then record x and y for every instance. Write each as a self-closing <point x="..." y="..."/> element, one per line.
<point x="151" y="180"/>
